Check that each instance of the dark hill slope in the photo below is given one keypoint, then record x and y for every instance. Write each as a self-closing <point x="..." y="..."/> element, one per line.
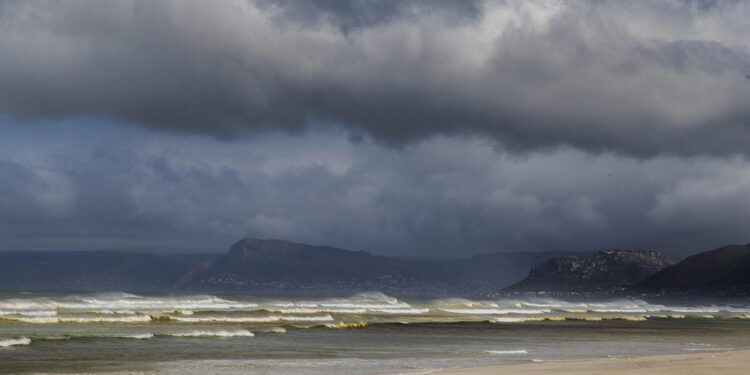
<point x="724" y="271"/>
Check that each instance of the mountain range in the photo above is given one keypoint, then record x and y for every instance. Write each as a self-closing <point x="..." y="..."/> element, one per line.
<point x="272" y="266"/>
<point x="265" y="267"/>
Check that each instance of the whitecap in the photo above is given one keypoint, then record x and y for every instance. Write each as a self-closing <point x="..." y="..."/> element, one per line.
<point x="308" y="310"/>
<point x="28" y="312"/>
<point x="4" y="343"/>
<point x="496" y="311"/>
<point x="140" y="336"/>
<point x="217" y="333"/>
<point x="251" y="319"/>
<point x="410" y="311"/>
<point x="70" y="319"/>
<point x="507" y="352"/>
<point x="510" y="320"/>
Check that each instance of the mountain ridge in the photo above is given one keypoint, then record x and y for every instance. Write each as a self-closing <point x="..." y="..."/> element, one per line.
<point x="277" y="265"/>
<point x="267" y="266"/>
<point x="607" y="271"/>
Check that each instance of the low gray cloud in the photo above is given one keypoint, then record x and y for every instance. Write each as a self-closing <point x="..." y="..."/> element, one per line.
<point x="635" y="78"/>
<point x="84" y="188"/>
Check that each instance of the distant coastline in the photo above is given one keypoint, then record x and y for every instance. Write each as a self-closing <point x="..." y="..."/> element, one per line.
<point x="278" y="267"/>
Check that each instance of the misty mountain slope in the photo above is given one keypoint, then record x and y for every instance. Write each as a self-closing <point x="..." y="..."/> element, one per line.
<point x="265" y="260"/>
<point x="722" y="271"/>
<point x="605" y="271"/>
<point x="256" y="265"/>
<point x="93" y="271"/>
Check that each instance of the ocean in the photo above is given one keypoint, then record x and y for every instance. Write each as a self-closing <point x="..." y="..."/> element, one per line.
<point x="369" y="333"/>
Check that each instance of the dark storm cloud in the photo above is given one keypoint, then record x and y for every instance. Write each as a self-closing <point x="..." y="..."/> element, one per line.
<point x="350" y="15"/>
<point x="105" y="187"/>
<point x="522" y="125"/>
<point x="636" y="78"/>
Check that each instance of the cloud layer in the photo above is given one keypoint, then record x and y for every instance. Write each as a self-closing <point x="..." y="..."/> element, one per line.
<point x="636" y="78"/>
<point x="423" y="127"/>
<point x="78" y="187"/>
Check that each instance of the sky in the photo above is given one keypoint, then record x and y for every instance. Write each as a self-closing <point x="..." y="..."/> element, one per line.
<point x="418" y="127"/>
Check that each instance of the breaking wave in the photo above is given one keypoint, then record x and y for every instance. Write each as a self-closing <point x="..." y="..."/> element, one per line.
<point x="214" y="333"/>
<point x="4" y="343"/>
<point x="495" y="311"/>
<point x="370" y="308"/>
<point x="504" y="352"/>
<point x="252" y="319"/>
<point x="139" y="336"/>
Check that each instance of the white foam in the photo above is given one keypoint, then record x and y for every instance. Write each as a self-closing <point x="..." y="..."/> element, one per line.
<point x="461" y="302"/>
<point x="693" y="310"/>
<point x="366" y="301"/>
<point x="107" y="319"/>
<point x="667" y="316"/>
<point x="92" y="319"/>
<point x="308" y="310"/>
<point x="509" y="320"/>
<point x="28" y="312"/>
<point x="130" y="308"/>
<point x="33" y="319"/>
<point x="620" y="310"/>
<point x="4" y="343"/>
<point x="217" y="333"/>
<point x="369" y="306"/>
<point x="124" y="302"/>
<point x="251" y="319"/>
<point x="140" y="336"/>
<point x="410" y="311"/>
<point x="226" y="319"/>
<point x="495" y="311"/>
<point x="507" y="352"/>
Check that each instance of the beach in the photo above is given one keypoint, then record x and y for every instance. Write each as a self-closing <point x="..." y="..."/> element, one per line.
<point x="725" y="363"/>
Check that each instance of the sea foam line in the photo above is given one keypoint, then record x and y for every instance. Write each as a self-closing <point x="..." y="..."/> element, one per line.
<point x="496" y="311"/>
<point x="139" y="336"/>
<point x="251" y="319"/>
<point x="99" y="319"/>
<point x="502" y="352"/>
<point x="218" y="333"/>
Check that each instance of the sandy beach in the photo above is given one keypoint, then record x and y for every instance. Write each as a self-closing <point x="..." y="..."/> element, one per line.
<point x="725" y="363"/>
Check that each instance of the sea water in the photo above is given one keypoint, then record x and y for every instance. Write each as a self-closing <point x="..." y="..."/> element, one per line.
<point x="368" y="333"/>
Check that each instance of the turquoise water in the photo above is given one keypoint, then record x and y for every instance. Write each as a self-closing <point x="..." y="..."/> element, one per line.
<point x="363" y="334"/>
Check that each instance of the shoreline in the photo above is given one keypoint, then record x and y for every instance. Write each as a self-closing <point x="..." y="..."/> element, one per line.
<point x="725" y="363"/>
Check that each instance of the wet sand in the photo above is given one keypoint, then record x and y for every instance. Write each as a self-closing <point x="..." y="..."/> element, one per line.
<point x="724" y="363"/>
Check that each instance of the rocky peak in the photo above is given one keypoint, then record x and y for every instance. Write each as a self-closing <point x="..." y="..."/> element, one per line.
<point x="605" y="270"/>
